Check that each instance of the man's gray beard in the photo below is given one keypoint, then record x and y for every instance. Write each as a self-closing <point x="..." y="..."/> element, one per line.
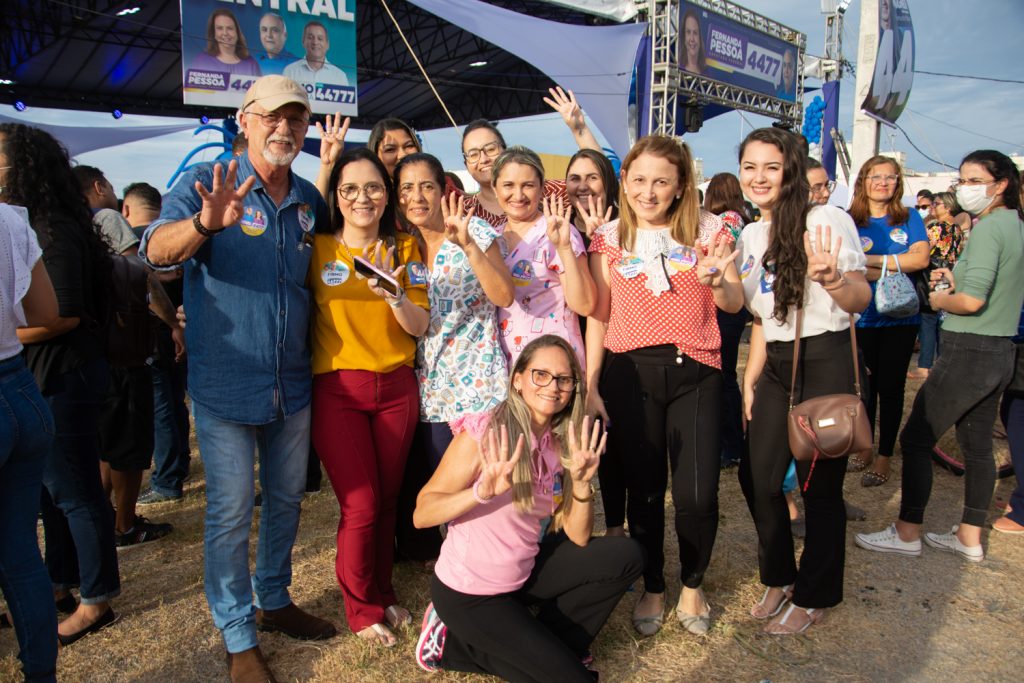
<point x="279" y="159"/>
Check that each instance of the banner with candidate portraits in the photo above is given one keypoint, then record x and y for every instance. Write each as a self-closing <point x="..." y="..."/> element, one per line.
<point x="894" y="62"/>
<point x="716" y="47"/>
<point x="227" y="44"/>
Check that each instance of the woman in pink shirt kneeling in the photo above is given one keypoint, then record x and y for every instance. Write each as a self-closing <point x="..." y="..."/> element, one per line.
<point x="505" y="474"/>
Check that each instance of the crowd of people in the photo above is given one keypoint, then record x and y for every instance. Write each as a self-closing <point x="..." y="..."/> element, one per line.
<point x="472" y="369"/>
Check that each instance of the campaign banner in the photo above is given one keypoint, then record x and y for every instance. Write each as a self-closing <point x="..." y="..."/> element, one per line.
<point x="719" y="48"/>
<point x="227" y="44"/>
<point x="894" y="62"/>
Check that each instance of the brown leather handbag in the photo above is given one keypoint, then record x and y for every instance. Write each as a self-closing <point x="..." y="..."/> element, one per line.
<point x="831" y="426"/>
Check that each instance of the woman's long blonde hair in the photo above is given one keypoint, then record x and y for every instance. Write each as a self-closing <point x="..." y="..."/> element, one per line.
<point x="684" y="213"/>
<point x="515" y="415"/>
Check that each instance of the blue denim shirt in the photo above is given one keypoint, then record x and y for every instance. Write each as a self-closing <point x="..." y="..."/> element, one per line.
<point x="246" y="298"/>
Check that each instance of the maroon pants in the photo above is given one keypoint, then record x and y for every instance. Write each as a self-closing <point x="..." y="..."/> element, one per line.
<point x="363" y="424"/>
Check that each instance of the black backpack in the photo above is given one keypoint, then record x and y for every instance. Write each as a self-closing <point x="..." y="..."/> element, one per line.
<point x="128" y="329"/>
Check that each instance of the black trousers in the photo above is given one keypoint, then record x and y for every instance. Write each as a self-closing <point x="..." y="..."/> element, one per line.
<point x="575" y="588"/>
<point x="659" y="407"/>
<point x="730" y="327"/>
<point x="887" y="352"/>
<point x="826" y="367"/>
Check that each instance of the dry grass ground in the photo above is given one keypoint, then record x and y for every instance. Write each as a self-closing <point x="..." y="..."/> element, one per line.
<point x="926" y="619"/>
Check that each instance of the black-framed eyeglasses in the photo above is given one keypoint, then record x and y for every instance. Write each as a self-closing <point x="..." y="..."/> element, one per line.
<point x="542" y="378"/>
<point x="491" y="149"/>
<point x="373" y="191"/>
<point x="273" y="120"/>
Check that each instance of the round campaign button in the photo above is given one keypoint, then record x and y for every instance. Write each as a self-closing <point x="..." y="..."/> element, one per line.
<point x="334" y="273"/>
<point x="629" y="266"/>
<point x="682" y="259"/>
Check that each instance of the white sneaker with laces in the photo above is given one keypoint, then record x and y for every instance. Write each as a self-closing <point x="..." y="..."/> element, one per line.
<point x="888" y="541"/>
<point x="949" y="543"/>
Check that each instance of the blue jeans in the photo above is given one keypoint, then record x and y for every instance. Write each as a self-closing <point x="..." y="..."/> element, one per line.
<point x="929" y="335"/>
<point x="1012" y="412"/>
<point x="228" y="450"/>
<point x="26" y="433"/>
<point x="83" y="531"/>
<point x="170" y="428"/>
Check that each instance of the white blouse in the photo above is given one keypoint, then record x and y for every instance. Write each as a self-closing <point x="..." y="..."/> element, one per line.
<point x="821" y="313"/>
<point x="19" y="252"/>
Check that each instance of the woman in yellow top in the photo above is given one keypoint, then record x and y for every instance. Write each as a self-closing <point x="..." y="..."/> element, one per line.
<point x="365" y="396"/>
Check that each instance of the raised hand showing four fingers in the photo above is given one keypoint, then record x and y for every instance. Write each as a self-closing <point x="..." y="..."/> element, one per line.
<point x="711" y="267"/>
<point x="497" y="463"/>
<point x="822" y="255"/>
<point x="566" y="105"/>
<point x="222" y="203"/>
<point x="559" y="229"/>
<point x="332" y="138"/>
<point x="594" y="214"/>
<point x="456" y="220"/>
<point x="585" y="451"/>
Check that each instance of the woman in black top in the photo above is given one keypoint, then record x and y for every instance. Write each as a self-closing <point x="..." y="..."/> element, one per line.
<point x="67" y="359"/>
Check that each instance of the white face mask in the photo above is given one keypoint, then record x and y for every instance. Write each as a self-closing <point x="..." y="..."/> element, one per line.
<point x="974" y="199"/>
<point x="923" y="212"/>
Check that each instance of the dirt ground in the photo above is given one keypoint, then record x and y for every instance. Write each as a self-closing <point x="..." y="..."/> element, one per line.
<point x="903" y="619"/>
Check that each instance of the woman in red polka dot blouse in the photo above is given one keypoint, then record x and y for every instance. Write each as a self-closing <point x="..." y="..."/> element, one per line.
<point x="653" y="353"/>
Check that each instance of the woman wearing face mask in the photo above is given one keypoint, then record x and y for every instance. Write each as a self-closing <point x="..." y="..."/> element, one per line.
<point x="896" y="238"/>
<point x="946" y="240"/>
<point x="982" y="305"/>
<point x="364" y="387"/>
<point x="545" y="255"/>
<point x="662" y="270"/>
<point x="806" y="262"/>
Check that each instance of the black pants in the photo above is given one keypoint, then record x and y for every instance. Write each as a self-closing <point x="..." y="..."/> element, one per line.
<point x="963" y="388"/>
<point x="887" y="352"/>
<point x="659" y="407"/>
<point x="612" y="475"/>
<point x="429" y="443"/>
<point x="826" y="367"/>
<point x="576" y="589"/>
<point x="731" y="326"/>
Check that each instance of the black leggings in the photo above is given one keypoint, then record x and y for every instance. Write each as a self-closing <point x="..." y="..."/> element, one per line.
<point x="576" y="589"/>
<point x="659" y="407"/>
<point x="826" y="367"/>
<point x="887" y="352"/>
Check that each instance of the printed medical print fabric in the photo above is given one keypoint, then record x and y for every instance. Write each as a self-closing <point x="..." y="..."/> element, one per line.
<point x="460" y="366"/>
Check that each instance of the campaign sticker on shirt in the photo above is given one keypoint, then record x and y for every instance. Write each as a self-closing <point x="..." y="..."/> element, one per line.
<point x="866" y="244"/>
<point x="747" y="266"/>
<point x="306" y="217"/>
<point x="629" y="266"/>
<point x="522" y="273"/>
<point x="767" y="281"/>
<point x="417" y="271"/>
<point x="334" y="273"/>
<point x="898" y="235"/>
<point x="254" y="222"/>
<point x="682" y="258"/>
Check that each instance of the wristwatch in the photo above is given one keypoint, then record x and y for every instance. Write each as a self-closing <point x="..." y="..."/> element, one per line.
<point x="201" y="229"/>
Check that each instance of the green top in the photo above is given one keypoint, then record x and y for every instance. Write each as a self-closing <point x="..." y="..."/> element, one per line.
<point x="991" y="268"/>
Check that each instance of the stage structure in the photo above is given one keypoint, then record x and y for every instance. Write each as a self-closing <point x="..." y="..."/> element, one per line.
<point x="746" y="61"/>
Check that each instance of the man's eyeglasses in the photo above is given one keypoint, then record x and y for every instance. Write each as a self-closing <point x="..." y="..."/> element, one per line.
<point x="373" y="191"/>
<point x="830" y="185"/>
<point x="542" y="378"/>
<point x="491" y="149"/>
<point x="883" y="179"/>
<point x="273" y="120"/>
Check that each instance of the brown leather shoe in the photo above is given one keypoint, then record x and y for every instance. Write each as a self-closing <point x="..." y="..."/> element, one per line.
<point x="292" y="621"/>
<point x="249" y="666"/>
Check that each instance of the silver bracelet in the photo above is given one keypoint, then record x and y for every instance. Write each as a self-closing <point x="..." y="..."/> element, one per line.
<point x="398" y="300"/>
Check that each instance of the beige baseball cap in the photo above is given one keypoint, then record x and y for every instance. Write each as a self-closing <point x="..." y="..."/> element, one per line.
<point x="274" y="91"/>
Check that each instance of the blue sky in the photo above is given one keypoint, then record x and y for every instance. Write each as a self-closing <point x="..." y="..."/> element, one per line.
<point x="945" y="117"/>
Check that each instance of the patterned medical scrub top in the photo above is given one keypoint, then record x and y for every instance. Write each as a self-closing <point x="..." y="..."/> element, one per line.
<point x="460" y="366"/>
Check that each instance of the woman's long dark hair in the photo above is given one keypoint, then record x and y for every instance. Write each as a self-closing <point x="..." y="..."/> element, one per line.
<point x="608" y="178"/>
<point x="212" y="46"/>
<point x="785" y="250"/>
<point x="1001" y="168"/>
<point x="41" y="180"/>
<point x="386" y="231"/>
<point x="724" y="194"/>
<point x="384" y="126"/>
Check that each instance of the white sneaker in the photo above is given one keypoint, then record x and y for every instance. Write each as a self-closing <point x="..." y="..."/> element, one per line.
<point x="949" y="543"/>
<point x="888" y="541"/>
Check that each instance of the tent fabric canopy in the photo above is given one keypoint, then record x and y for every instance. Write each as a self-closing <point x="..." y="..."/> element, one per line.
<point x="82" y="139"/>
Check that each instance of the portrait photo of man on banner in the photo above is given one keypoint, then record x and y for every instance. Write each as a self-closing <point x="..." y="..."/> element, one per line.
<point x="226" y="46"/>
<point x="894" y="63"/>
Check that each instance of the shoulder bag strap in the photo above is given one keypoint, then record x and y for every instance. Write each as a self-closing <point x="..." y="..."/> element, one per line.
<point x="796" y="357"/>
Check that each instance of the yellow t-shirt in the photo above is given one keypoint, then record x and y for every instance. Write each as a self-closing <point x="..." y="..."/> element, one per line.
<point x="353" y="328"/>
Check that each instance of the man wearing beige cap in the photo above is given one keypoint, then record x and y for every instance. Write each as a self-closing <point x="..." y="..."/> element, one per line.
<point x="244" y="238"/>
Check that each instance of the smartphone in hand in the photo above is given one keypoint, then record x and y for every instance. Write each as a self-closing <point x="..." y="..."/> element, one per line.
<point x="384" y="280"/>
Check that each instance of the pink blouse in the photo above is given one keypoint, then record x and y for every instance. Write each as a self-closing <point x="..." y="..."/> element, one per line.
<point x="490" y="550"/>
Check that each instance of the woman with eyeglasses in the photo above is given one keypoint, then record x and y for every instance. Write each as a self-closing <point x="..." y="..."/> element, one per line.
<point x="982" y="304"/>
<point x="545" y="255"/>
<point x="946" y="240"/>
<point x="663" y="269"/>
<point x="521" y="589"/>
<point x="895" y="238"/>
<point x="365" y="397"/>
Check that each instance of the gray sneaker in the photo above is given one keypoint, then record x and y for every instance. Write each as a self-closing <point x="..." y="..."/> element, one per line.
<point x="152" y="497"/>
